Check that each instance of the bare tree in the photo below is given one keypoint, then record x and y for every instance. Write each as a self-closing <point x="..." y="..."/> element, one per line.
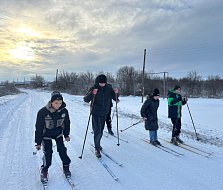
<point x="37" y="81"/>
<point x="125" y="79"/>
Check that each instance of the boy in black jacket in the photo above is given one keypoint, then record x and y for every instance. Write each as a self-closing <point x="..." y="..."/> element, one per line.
<point x="53" y="123"/>
<point x="100" y="96"/>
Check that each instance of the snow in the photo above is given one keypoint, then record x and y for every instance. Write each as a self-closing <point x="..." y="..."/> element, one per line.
<point x="144" y="166"/>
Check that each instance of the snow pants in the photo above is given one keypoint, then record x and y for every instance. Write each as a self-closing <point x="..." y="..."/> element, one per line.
<point x="108" y="119"/>
<point x="47" y="150"/>
<point x="98" y="123"/>
<point x="176" y="126"/>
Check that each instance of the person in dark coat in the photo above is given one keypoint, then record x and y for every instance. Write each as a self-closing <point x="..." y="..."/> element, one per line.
<point x="149" y="114"/>
<point x="175" y="102"/>
<point x="108" y="117"/>
<point x="53" y="122"/>
<point x="100" y="96"/>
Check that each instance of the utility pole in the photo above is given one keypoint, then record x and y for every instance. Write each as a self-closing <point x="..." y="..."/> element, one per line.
<point x="143" y="73"/>
<point x="164" y="84"/>
<point x="56" y="78"/>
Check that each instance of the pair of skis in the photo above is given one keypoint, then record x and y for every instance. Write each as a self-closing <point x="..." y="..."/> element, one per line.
<point x="103" y="163"/>
<point x="164" y="148"/>
<point x="68" y="178"/>
<point x="192" y="149"/>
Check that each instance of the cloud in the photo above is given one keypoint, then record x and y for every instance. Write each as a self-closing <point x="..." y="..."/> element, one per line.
<point x="179" y="36"/>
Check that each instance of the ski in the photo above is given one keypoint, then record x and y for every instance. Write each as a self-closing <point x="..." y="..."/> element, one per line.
<point x="170" y="149"/>
<point x="208" y="153"/>
<point x="108" y="156"/>
<point x="115" y="137"/>
<point x="188" y="149"/>
<point x="67" y="178"/>
<point x="162" y="148"/>
<point x="110" y="172"/>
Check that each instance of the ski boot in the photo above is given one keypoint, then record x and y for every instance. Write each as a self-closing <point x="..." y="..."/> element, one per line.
<point x="110" y="131"/>
<point x="44" y="176"/>
<point x="174" y="141"/>
<point x="97" y="152"/>
<point x="158" y="143"/>
<point x="153" y="143"/>
<point x="179" y="140"/>
<point x="66" y="171"/>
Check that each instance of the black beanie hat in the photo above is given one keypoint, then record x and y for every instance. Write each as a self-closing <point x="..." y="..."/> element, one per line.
<point x="156" y="92"/>
<point x="177" y="87"/>
<point x="102" y="78"/>
<point x="56" y="96"/>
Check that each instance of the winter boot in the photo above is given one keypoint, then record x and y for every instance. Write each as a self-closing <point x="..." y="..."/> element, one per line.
<point x="153" y="143"/>
<point x="179" y="140"/>
<point x="158" y="143"/>
<point x="66" y="171"/>
<point x="44" y="175"/>
<point x="174" y="141"/>
<point x="110" y="131"/>
<point x="97" y="152"/>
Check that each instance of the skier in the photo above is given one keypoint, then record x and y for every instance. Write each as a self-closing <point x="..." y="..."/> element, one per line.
<point x="108" y="117"/>
<point x="149" y="114"/>
<point x="53" y="122"/>
<point x="175" y="102"/>
<point x="100" y="96"/>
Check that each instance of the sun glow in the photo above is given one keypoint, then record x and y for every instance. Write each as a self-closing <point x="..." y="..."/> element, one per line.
<point x="23" y="52"/>
<point x="28" y="32"/>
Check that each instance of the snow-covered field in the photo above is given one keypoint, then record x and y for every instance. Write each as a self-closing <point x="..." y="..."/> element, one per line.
<point x="144" y="167"/>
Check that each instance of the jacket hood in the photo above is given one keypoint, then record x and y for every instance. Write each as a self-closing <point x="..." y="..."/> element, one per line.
<point x="51" y="109"/>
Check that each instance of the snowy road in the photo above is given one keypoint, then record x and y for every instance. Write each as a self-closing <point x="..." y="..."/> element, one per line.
<point x="144" y="166"/>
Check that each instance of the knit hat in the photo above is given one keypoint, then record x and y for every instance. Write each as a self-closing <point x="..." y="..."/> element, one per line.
<point x="156" y="92"/>
<point x="102" y="78"/>
<point x="56" y="96"/>
<point x="177" y="87"/>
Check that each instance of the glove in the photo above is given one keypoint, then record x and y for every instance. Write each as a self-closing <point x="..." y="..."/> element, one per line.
<point x="185" y="98"/>
<point x="38" y="147"/>
<point x="94" y="91"/>
<point x="115" y="90"/>
<point x="67" y="138"/>
<point x="179" y="98"/>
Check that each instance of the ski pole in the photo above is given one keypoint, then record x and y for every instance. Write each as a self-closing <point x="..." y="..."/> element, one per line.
<point x="132" y="125"/>
<point x="87" y="128"/>
<point x="192" y="121"/>
<point x="116" y="107"/>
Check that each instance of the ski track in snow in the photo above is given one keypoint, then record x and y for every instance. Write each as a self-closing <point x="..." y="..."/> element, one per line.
<point x="144" y="166"/>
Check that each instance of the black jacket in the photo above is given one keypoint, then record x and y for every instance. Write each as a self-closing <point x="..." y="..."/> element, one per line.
<point x="52" y="123"/>
<point x="149" y="111"/>
<point x="102" y="101"/>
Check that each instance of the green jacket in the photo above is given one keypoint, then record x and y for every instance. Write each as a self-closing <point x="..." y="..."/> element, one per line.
<point x="175" y="103"/>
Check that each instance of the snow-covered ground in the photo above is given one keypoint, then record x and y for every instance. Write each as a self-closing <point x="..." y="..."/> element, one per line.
<point x="144" y="166"/>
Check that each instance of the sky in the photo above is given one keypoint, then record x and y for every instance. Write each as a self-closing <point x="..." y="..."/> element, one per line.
<point x="38" y="37"/>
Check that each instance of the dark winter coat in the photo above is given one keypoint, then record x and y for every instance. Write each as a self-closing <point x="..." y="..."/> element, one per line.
<point x="102" y="101"/>
<point x="175" y="103"/>
<point x="51" y="123"/>
<point x="149" y="111"/>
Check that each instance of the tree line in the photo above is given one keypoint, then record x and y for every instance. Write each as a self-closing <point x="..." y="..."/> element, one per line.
<point x="129" y="82"/>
